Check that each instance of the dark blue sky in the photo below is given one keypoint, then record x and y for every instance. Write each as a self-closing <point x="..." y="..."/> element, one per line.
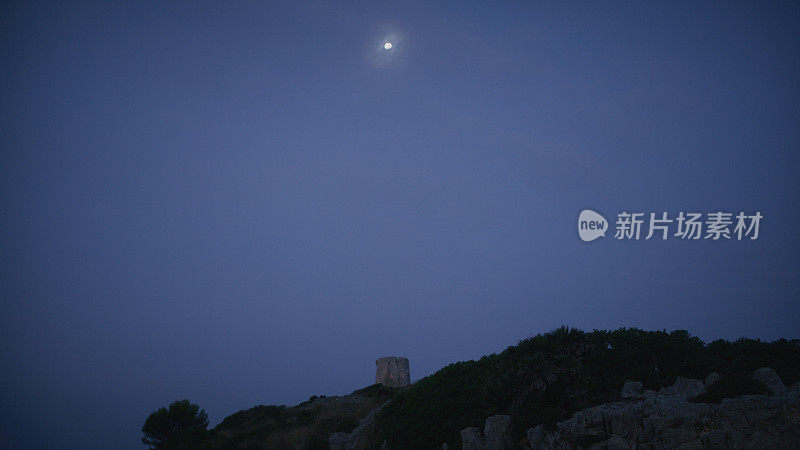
<point x="249" y="203"/>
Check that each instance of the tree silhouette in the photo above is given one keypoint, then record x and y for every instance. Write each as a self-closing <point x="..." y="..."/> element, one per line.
<point x="180" y="424"/>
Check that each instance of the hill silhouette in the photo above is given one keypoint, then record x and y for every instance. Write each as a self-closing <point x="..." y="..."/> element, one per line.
<point x="541" y="381"/>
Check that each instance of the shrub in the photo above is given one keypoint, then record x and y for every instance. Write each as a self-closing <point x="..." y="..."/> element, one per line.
<point x="181" y="424"/>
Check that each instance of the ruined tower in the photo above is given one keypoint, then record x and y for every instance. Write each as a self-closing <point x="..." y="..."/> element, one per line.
<point x="392" y="371"/>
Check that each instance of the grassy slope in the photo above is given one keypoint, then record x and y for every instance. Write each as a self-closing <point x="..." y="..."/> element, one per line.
<point x="306" y="425"/>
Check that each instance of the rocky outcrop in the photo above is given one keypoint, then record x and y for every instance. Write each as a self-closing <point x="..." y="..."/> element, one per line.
<point x="338" y="440"/>
<point x="667" y="420"/>
<point x="471" y="439"/>
<point x="712" y="378"/>
<point x="496" y="435"/>
<point x="497" y="432"/>
<point x="684" y="388"/>
<point x="536" y="436"/>
<point x="770" y="379"/>
<point x="392" y="371"/>
<point x="359" y="438"/>
<point x="632" y="389"/>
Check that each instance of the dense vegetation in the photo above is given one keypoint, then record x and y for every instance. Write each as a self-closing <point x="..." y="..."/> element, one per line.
<point x="541" y="380"/>
<point x="548" y="377"/>
<point x="180" y="424"/>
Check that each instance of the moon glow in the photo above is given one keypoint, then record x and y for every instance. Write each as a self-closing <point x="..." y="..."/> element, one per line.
<point x="387" y="46"/>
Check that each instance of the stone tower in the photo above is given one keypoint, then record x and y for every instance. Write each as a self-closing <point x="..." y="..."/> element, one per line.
<point x="393" y="372"/>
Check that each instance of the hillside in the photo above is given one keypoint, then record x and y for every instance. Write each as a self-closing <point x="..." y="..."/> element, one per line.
<point x="546" y="378"/>
<point x="541" y="381"/>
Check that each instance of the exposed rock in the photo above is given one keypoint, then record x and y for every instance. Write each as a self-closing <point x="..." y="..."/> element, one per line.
<point x="337" y="441"/>
<point x="536" y="437"/>
<point x="392" y="371"/>
<point x="359" y="438"/>
<point x="712" y="378"/>
<point x="471" y="439"/>
<point x="497" y="432"/>
<point x="669" y="420"/>
<point x="685" y="387"/>
<point x="770" y="379"/>
<point x="632" y="389"/>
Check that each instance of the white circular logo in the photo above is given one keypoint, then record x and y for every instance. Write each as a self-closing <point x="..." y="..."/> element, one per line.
<point x="591" y="225"/>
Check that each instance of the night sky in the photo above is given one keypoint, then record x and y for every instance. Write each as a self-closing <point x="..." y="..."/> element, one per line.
<point x="245" y="203"/>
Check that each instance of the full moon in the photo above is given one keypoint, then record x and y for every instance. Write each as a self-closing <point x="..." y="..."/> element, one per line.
<point x="387" y="46"/>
